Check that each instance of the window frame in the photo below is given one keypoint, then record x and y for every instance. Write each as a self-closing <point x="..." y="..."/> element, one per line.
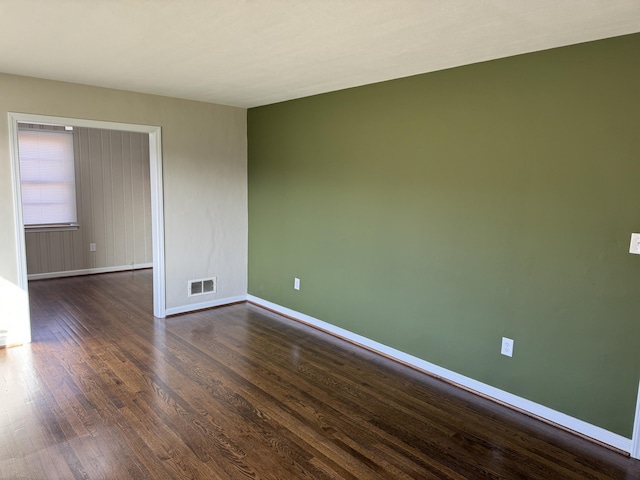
<point x="32" y="127"/>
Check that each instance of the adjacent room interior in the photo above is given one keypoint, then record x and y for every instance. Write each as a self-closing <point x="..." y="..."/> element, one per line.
<point x="470" y="222"/>
<point x="110" y="197"/>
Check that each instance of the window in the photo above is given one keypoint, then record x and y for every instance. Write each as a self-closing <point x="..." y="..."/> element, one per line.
<point x="47" y="174"/>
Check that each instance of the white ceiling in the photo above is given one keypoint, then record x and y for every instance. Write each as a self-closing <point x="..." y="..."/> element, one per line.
<point x="255" y="52"/>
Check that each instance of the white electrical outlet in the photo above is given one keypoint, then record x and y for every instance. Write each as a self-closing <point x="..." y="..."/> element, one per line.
<point x="296" y="283"/>
<point x="634" y="247"/>
<point x="92" y="247"/>
<point x="507" y="347"/>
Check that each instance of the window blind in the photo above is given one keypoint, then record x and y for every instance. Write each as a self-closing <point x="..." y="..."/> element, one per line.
<point x="47" y="175"/>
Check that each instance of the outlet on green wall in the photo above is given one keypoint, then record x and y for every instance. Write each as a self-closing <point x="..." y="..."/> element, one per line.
<point x="438" y="213"/>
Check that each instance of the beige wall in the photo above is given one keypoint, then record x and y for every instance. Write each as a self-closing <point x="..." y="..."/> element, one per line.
<point x="113" y="205"/>
<point x="204" y="167"/>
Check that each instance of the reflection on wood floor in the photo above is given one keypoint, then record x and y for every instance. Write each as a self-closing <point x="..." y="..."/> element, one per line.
<point x="106" y="391"/>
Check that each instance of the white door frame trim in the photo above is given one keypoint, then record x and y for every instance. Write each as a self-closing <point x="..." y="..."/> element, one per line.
<point x="157" y="196"/>
<point x="635" y="439"/>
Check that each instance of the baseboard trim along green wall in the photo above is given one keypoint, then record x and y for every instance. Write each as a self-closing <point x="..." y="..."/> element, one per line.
<point x="627" y="445"/>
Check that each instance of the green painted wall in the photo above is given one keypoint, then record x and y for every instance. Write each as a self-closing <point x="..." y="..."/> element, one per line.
<point x="437" y="213"/>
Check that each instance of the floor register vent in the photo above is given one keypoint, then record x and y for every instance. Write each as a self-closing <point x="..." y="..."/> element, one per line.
<point x="202" y="286"/>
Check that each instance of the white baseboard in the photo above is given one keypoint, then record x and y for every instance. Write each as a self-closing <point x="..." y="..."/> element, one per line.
<point x="88" y="271"/>
<point x="203" y="305"/>
<point x="566" y="421"/>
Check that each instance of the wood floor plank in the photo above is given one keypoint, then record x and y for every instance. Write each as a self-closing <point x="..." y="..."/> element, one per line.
<point x="108" y="391"/>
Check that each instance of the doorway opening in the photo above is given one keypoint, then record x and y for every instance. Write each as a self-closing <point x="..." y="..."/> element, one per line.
<point x="156" y="200"/>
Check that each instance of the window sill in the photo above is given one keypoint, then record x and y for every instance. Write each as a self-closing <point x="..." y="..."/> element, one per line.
<point x="49" y="228"/>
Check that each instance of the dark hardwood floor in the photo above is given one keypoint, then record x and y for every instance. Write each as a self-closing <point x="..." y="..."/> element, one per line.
<point x="106" y="391"/>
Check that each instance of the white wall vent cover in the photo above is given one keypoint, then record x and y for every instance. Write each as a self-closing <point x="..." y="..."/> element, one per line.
<point x="202" y="286"/>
